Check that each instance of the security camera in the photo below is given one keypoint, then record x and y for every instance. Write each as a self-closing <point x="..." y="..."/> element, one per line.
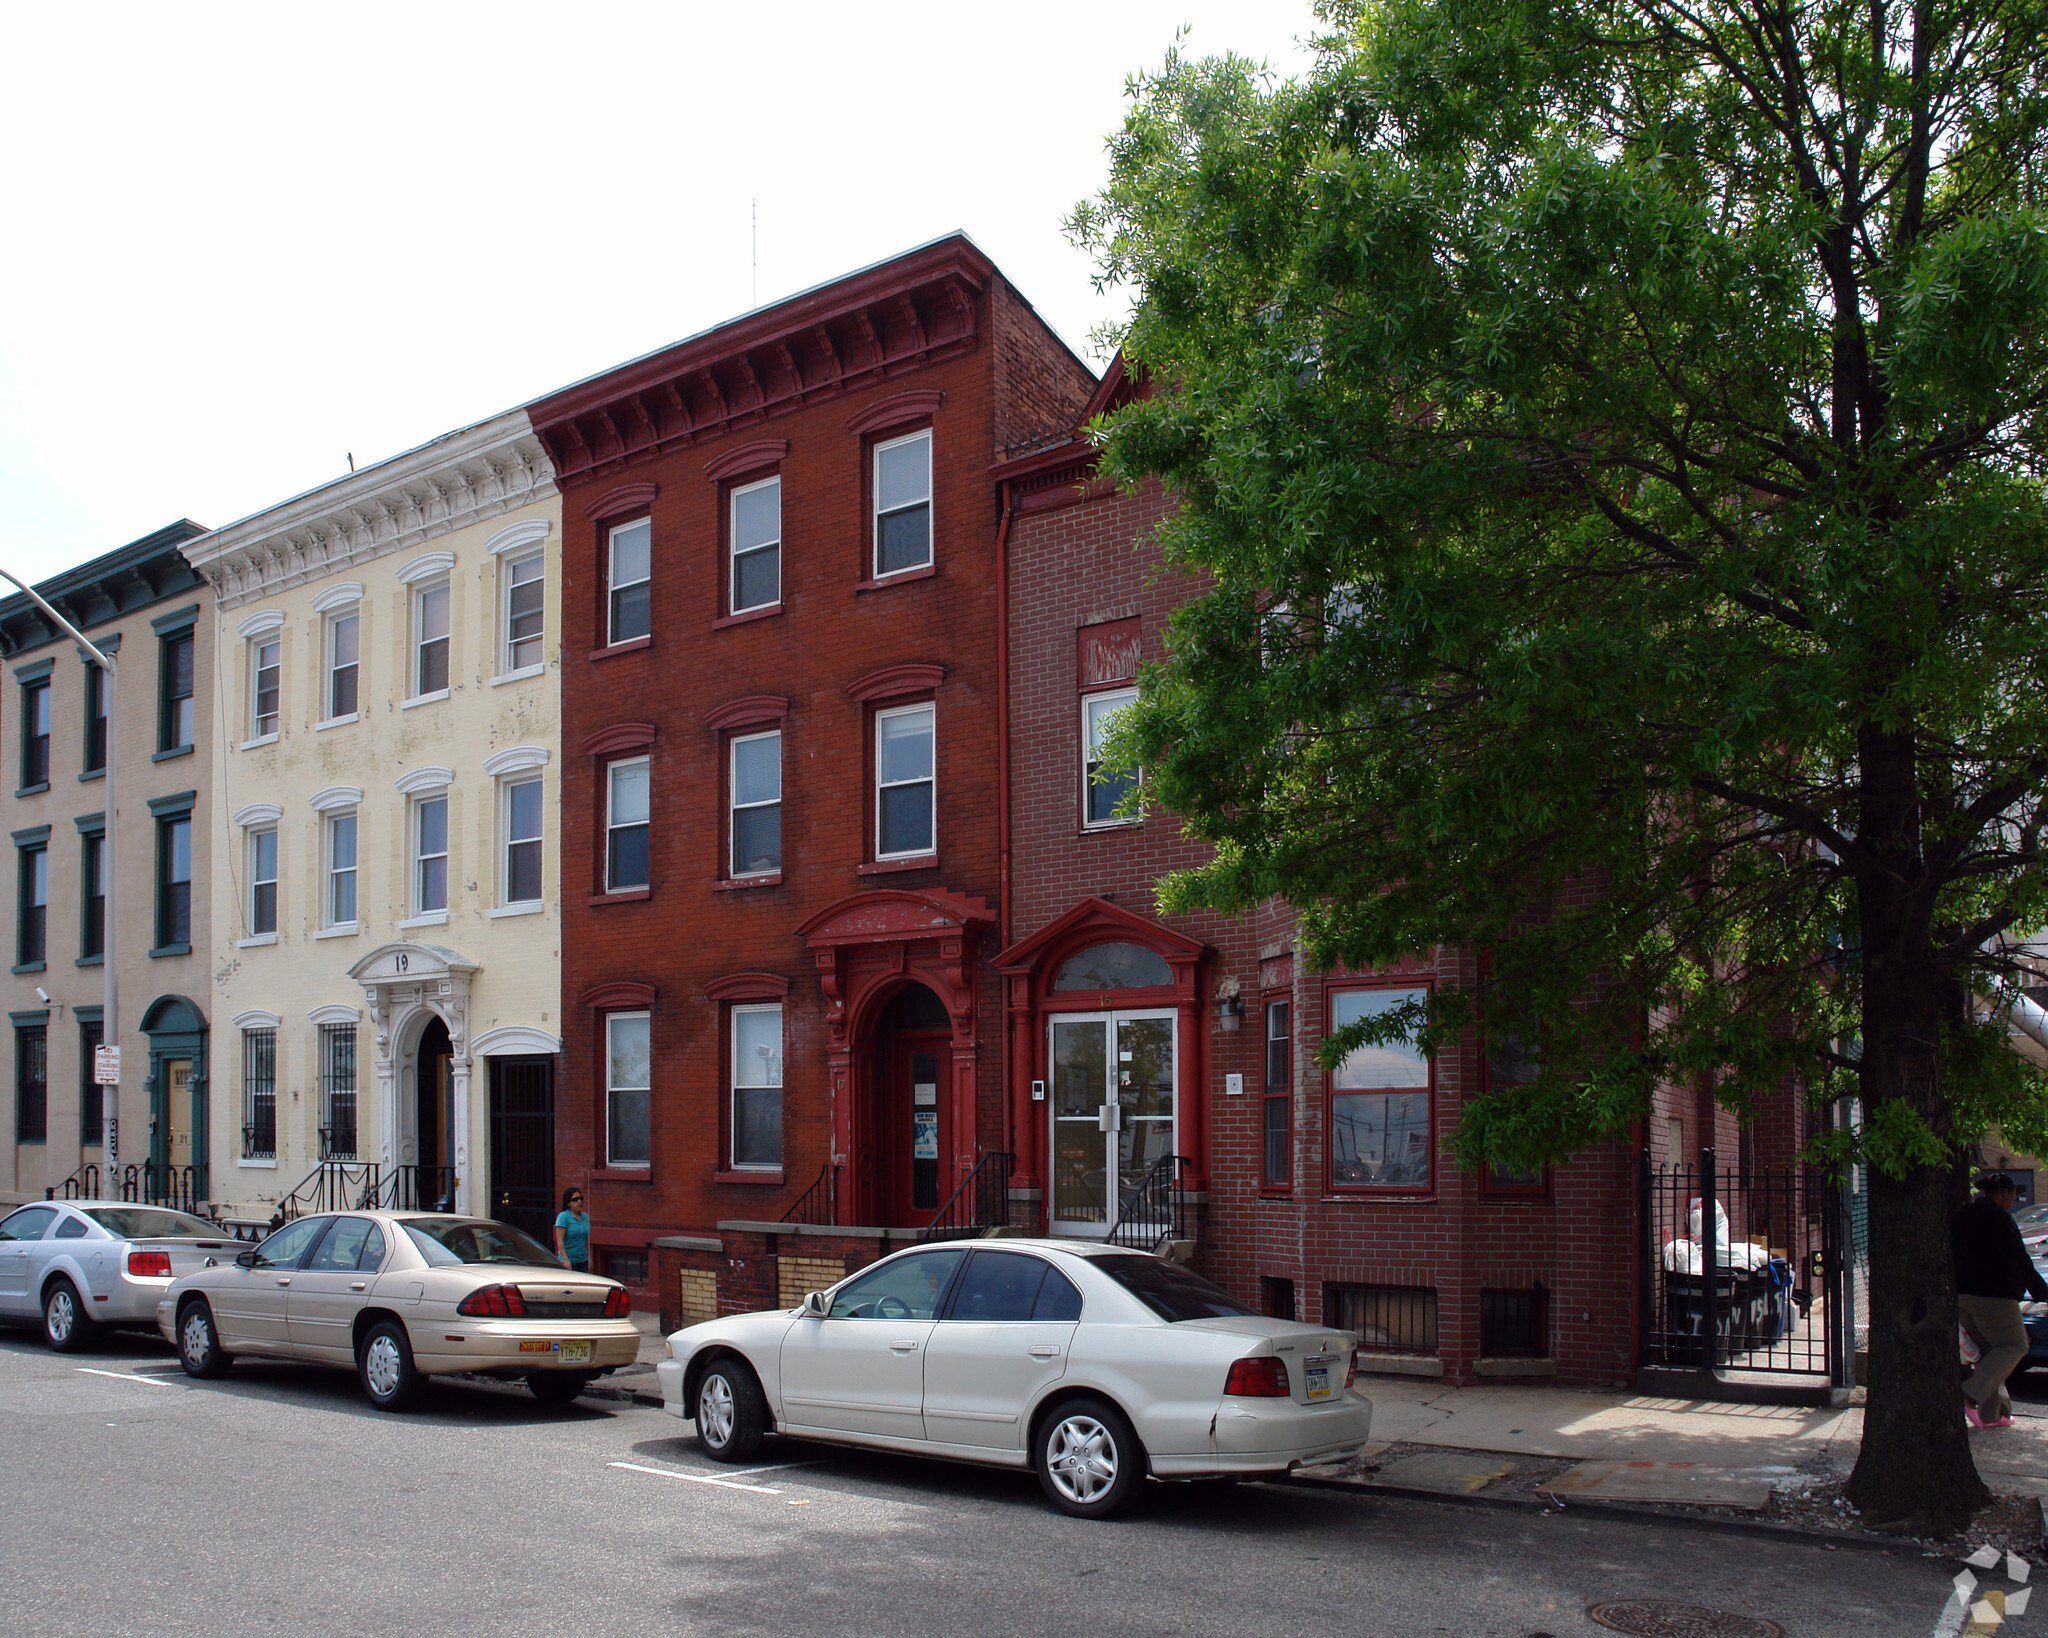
<point x="42" y="995"/>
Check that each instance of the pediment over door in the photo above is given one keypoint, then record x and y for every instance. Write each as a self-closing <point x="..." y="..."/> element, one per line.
<point x="891" y="915"/>
<point x="409" y="963"/>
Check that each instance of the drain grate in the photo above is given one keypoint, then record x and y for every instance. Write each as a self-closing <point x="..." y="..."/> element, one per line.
<point x="1660" y="1618"/>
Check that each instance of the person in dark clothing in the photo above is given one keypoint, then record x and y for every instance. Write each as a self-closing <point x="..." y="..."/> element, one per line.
<point x="1993" y="1271"/>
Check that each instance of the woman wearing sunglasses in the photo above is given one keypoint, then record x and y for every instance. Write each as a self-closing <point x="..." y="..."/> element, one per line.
<point x="572" y="1232"/>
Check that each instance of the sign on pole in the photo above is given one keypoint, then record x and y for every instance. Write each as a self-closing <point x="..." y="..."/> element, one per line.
<point x="106" y="1066"/>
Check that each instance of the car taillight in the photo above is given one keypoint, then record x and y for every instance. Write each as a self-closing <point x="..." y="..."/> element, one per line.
<point x="157" y="1263"/>
<point x="1351" y="1367"/>
<point x="617" y="1305"/>
<point x="493" y="1302"/>
<point x="1264" y="1378"/>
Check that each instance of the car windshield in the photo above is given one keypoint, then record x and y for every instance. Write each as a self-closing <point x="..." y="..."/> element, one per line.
<point x="151" y="1223"/>
<point x="445" y="1240"/>
<point x="2031" y="1217"/>
<point x="1170" y="1291"/>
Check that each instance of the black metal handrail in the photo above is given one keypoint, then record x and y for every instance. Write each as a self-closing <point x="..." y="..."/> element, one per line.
<point x="820" y="1202"/>
<point x="981" y="1202"/>
<point x="1156" y="1210"/>
<point x="360" y="1185"/>
<point x="83" y="1184"/>
<point x="419" y="1188"/>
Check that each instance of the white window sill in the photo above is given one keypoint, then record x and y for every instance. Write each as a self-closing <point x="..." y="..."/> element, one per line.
<point x="520" y="675"/>
<point x="423" y="699"/>
<point x="346" y="929"/>
<point x="533" y="909"/>
<point x="261" y="739"/>
<point x="335" y="722"/>
<point x="258" y="1165"/>
<point x="252" y="943"/>
<point x="433" y="918"/>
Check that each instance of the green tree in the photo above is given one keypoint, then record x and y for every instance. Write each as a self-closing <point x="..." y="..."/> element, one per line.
<point x="1611" y="433"/>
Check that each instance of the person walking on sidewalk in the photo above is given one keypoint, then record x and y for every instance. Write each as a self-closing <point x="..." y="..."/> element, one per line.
<point x="1993" y="1271"/>
<point x="572" y="1232"/>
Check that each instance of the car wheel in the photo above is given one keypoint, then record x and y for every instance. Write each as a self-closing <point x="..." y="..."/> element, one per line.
<point x="732" y="1415"/>
<point x="384" y="1365"/>
<point x="199" y="1349"/>
<point x="1089" y="1461"/>
<point x="65" y="1326"/>
<point x="557" y="1387"/>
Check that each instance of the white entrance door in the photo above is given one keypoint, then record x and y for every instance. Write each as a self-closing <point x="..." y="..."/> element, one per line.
<point x="1113" y="1112"/>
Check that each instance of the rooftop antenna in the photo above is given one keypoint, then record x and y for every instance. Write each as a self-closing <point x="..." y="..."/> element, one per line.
<point x="754" y="219"/>
<point x="351" y="460"/>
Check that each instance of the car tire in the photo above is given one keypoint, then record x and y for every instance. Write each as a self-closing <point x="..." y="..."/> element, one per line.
<point x="199" y="1349"/>
<point x="731" y="1412"/>
<point x="557" y="1387"/>
<point x="384" y="1367"/>
<point x="66" y="1326"/>
<point x="1088" y="1459"/>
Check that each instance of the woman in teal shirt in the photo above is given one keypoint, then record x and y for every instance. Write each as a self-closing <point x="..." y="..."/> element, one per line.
<point x="572" y="1232"/>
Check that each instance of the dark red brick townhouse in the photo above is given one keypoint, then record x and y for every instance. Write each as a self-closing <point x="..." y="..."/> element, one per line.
<point x="1132" y="1037"/>
<point x="781" y="696"/>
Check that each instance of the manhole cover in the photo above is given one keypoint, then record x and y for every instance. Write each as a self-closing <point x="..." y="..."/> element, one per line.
<point x="1660" y="1618"/>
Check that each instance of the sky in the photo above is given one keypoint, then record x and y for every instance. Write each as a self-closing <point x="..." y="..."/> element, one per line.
<point x="246" y="242"/>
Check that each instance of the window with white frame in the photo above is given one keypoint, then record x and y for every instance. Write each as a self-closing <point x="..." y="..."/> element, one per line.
<point x="628" y="1088"/>
<point x="265" y="654"/>
<point x="757" y="1087"/>
<point x="1103" y="786"/>
<point x="903" y="504"/>
<point x="525" y="583"/>
<point x="756" y="526"/>
<point x="429" y="854"/>
<point x="757" y="804"/>
<point x="262" y="882"/>
<point x="626" y="824"/>
<point x="904" y="781"/>
<point x="522" y="833"/>
<point x="430" y="639"/>
<point x="344" y="657"/>
<point x="340" y="898"/>
<point x="629" y="580"/>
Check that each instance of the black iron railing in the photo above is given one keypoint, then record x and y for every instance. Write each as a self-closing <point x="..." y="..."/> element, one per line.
<point x="820" y="1202"/>
<point x="982" y="1201"/>
<point x="359" y="1185"/>
<point x="1156" y="1210"/>
<point x="83" y="1184"/>
<point x="419" y="1188"/>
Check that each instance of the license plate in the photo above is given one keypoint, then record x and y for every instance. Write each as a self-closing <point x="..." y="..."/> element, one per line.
<point x="1318" y="1379"/>
<point x="576" y="1353"/>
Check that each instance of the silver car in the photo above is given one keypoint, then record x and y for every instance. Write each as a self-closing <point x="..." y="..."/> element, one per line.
<point x="78" y="1265"/>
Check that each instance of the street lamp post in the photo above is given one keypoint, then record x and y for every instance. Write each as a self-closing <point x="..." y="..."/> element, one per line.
<point x="110" y="968"/>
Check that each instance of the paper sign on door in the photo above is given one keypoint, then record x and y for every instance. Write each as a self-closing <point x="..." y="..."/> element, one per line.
<point x="924" y="1135"/>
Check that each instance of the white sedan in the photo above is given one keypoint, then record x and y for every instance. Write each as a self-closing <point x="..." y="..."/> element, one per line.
<point x="1092" y="1364"/>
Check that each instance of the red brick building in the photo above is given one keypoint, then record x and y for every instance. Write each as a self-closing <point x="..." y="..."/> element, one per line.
<point x="781" y="697"/>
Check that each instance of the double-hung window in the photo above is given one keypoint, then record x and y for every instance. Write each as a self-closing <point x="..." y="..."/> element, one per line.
<point x="175" y="727"/>
<point x="259" y="1094"/>
<point x="430" y="640"/>
<point x="756" y="526"/>
<point x="757" y="804"/>
<point x="525" y="583"/>
<point x="905" y="763"/>
<point x="262" y="882"/>
<point x="430" y="855"/>
<point x="1103" y="785"/>
<point x="92" y="1107"/>
<point x="31" y="1083"/>
<point x="32" y="929"/>
<point x="338" y="1091"/>
<point x="626" y="823"/>
<point x="757" y="1087"/>
<point x="92" y="932"/>
<point x="522" y="833"/>
<point x="265" y="664"/>
<point x="174" y="883"/>
<point x="628" y="1088"/>
<point x="903" y="504"/>
<point x="95" y="718"/>
<point x="1276" y="1125"/>
<point x="1380" y="1119"/>
<point x="629" y="580"/>
<point x="35" y="735"/>
<point x="344" y="662"/>
<point x="340" y="896"/>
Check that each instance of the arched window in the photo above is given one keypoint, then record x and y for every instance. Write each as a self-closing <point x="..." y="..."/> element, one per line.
<point x="1113" y="967"/>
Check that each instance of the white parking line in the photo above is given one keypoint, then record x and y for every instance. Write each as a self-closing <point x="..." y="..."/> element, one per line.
<point x="697" y="1478"/>
<point x="121" y="1376"/>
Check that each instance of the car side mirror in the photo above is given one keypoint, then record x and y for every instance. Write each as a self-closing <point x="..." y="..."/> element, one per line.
<point x="247" y="1259"/>
<point x="817" y="1305"/>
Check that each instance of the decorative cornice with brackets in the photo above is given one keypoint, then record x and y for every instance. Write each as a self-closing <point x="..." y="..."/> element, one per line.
<point x="463" y="478"/>
<point x="516" y="759"/>
<point x="261" y="622"/>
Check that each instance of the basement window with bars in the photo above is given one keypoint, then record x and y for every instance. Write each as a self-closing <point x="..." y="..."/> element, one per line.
<point x="1388" y="1319"/>
<point x="1514" y="1324"/>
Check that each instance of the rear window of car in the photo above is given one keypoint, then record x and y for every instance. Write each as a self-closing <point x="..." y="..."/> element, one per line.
<point x="151" y="1223"/>
<point x="448" y="1240"/>
<point x="1170" y="1291"/>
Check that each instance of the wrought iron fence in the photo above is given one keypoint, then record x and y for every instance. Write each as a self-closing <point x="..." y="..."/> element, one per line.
<point x="981" y="1202"/>
<point x="1156" y="1210"/>
<point x="1741" y="1268"/>
<point x="820" y="1202"/>
<point x="360" y="1185"/>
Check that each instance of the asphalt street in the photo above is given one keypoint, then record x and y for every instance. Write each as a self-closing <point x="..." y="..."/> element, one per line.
<point x="276" y="1500"/>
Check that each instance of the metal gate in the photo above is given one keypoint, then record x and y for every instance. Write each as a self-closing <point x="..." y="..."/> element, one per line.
<point x="523" y="1144"/>
<point x="1741" y="1269"/>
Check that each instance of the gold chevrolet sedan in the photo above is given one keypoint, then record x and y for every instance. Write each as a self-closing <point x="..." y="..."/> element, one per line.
<point x="403" y="1296"/>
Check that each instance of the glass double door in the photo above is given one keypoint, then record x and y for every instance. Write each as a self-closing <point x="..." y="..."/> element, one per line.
<point x="1113" y="1113"/>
